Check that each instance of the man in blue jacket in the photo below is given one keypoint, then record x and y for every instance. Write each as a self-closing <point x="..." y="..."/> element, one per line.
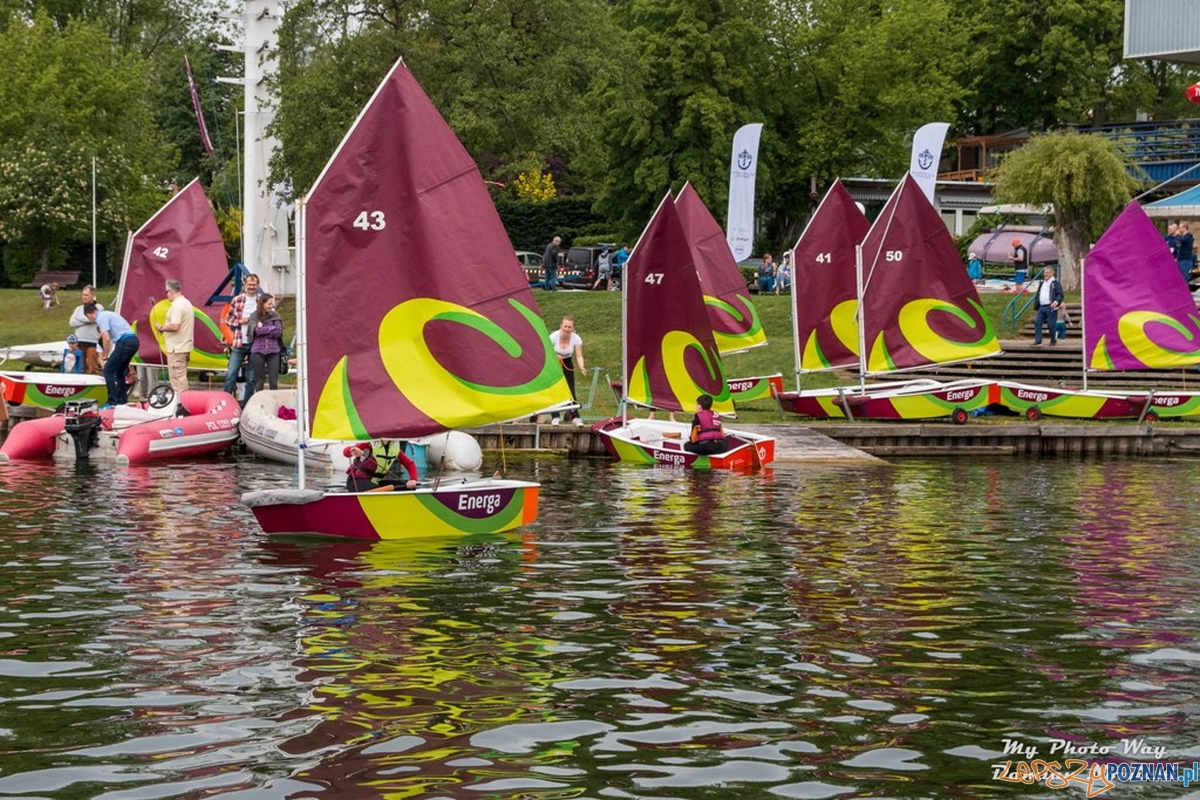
<point x="1049" y="298"/>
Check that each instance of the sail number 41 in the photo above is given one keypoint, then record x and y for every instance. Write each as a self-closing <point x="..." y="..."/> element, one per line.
<point x="370" y="221"/>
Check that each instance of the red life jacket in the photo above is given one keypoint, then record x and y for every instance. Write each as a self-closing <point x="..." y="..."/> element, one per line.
<point x="363" y="468"/>
<point x="710" y="426"/>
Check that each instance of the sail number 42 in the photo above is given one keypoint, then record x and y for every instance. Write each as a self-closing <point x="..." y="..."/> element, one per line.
<point x="370" y="221"/>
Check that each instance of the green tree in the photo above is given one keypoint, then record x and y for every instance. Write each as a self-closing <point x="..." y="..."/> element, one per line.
<point x="1086" y="179"/>
<point x="690" y="73"/>
<point x="858" y="80"/>
<point x="510" y="78"/>
<point x="68" y="95"/>
<point x="1039" y="63"/>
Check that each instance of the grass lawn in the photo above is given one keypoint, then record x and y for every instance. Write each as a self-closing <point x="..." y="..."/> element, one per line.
<point x="597" y="319"/>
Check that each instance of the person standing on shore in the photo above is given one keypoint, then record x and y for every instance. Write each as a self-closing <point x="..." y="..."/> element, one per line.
<point x="241" y="308"/>
<point x="1185" y="255"/>
<point x="178" y="336"/>
<point x="1046" y="302"/>
<point x="86" y="332"/>
<point x="568" y="346"/>
<point x="550" y="263"/>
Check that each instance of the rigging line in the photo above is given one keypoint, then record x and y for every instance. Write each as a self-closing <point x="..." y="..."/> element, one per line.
<point x="503" y="455"/>
<point x="437" y="480"/>
<point x="219" y="148"/>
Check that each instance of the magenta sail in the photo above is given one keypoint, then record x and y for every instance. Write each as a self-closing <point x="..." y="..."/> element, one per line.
<point x="408" y="332"/>
<point x="1137" y="310"/>
<point x="919" y="305"/>
<point x="735" y="322"/>
<point x="181" y="241"/>
<point x="671" y="358"/>
<point x="826" y="329"/>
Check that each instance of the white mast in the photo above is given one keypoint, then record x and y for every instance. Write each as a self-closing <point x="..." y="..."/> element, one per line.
<point x="265" y="249"/>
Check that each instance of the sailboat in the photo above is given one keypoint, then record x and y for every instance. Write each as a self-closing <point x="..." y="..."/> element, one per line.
<point x="825" y="304"/>
<point x="917" y="307"/>
<point x="1137" y="314"/>
<point x="181" y="241"/>
<point x="670" y="359"/>
<point x="735" y="322"/>
<point x="400" y="335"/>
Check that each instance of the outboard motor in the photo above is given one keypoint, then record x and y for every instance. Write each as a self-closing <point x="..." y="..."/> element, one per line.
<point x="83" y="424"/>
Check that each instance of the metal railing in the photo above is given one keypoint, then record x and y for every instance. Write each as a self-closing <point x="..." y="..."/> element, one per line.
<point x="1016" y="307"/>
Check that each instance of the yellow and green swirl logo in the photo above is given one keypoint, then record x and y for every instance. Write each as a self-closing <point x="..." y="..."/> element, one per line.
<point x="444" y="397"/>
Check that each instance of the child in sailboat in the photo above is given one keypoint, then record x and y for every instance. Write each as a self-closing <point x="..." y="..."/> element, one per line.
<point x="708" y="436"/>
<point x="360" y="475"/>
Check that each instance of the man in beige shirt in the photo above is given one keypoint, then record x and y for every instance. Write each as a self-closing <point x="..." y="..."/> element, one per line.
<point x="178" y="335"/>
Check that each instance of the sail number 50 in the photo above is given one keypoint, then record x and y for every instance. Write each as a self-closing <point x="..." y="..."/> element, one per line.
<point x="370" y="221"/>
<point x="893" y="255"/>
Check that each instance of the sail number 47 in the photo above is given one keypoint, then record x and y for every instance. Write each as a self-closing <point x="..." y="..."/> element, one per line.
<point x="370" y="221"/>
<point x="654" y="277"/>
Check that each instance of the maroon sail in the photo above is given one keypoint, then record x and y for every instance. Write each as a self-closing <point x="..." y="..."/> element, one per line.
<point x="919" y="305"/>
<point x="407" y="330"/>
<point x="670" y="353"/>
<point x="181" y="241"/>
<point x="735" y="323"/>
<point x="826" y="296"/>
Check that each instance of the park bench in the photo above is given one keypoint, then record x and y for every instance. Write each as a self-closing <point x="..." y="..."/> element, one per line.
<point x="63" y="277"/>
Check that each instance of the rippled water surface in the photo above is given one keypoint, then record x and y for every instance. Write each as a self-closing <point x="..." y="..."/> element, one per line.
<point x="809" y="633"/>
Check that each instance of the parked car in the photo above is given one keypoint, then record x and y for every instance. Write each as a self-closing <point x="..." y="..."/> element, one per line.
<point x="532" y="264"/>
<point x="582" y="263"/>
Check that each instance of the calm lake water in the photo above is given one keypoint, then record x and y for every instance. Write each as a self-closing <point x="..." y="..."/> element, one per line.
<point x="809" y="633"/>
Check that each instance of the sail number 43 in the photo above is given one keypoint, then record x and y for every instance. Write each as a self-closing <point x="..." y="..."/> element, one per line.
<point x="370" y="221"/>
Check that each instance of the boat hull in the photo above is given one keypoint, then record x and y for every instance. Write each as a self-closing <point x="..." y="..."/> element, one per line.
<point x="42" y="354"/>
<point x="49" y="389"/>
<point x="266" y="434"/>
<point x="949" y="400"/>
<point x="211" y="427"/>
<point x="1034" y="402"/>
<point x="902" y="400"/>
<point x="744" y="390"/>
<point x="651" y="442"/>
<point x="487" y="506"/>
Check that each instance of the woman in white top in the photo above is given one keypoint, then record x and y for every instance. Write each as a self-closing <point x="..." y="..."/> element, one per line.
<point x="569" y="349"/>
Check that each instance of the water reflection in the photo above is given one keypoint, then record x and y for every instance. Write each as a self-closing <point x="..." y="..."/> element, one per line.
<point x="800" y="633"/>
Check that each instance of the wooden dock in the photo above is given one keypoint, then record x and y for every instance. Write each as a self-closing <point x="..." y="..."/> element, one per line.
<point x="871" y="443"/>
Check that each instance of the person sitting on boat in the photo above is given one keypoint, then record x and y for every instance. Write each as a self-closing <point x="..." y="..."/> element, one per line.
<point x="360" y="475"/>
<point x="72" y="359"/>
<point x="392" y="476"/>
<point x="708" y="437"/>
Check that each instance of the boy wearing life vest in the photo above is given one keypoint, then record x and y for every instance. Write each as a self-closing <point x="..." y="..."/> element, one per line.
<point x="394" y="477"/>
<point x="708" y="437"/>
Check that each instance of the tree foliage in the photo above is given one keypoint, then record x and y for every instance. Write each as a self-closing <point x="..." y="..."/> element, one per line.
<point x="689" y="75"/>
<point x="1085" y="178"/>
<point x="616" y="102"/>
<point x="70" y="95"/>
<point x="509" y="77"/>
